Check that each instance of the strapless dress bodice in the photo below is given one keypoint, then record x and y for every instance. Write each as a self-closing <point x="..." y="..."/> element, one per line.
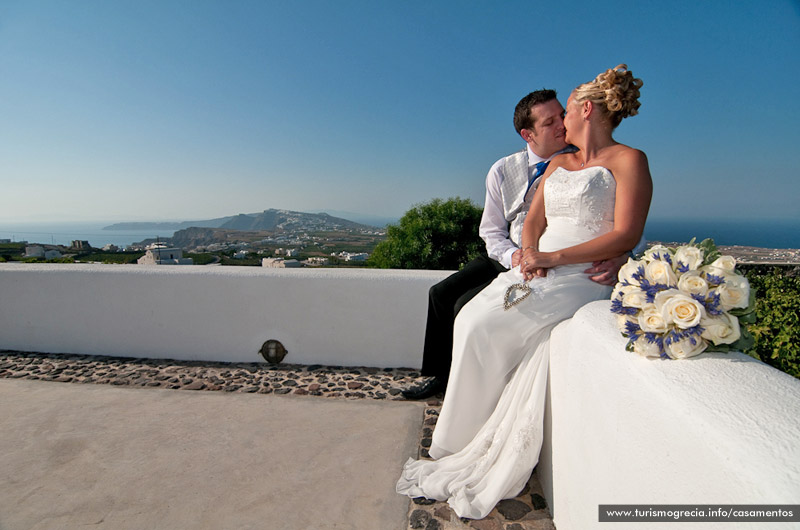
<point x="579" y="206"/>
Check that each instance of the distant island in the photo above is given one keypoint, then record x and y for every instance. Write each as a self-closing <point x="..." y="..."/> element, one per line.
<point x="318" y="233"/>
<point x="165" y="225"/>
<point x="270" y="219"/>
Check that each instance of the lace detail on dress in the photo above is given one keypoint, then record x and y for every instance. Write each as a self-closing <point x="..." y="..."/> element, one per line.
<point x="598" y="202"/>
<point x="539" y="285"/>
<point x="490" y="449"/>
<point x="582" y="199"/>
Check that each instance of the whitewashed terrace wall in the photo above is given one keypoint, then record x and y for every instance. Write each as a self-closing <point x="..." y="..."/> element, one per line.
<point x="322" y="316"/>
<point x="621" y="429"/>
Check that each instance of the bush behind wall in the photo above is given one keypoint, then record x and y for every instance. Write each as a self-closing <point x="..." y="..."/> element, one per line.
<point x="777" y="326"/>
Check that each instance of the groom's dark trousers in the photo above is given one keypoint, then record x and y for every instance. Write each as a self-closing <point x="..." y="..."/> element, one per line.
<point x="445" y="300"/>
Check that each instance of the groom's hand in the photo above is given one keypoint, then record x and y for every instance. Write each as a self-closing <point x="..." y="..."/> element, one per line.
<point x="605" y="272"/>
<point x="516" y="257"/>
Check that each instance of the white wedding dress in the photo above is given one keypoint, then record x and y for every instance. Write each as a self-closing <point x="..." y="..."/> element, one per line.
<point x="489" y="433"/>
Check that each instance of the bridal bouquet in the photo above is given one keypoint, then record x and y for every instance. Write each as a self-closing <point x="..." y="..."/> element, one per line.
<point x="678" y="303"/>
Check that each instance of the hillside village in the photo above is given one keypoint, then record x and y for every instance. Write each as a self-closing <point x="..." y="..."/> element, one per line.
<point x="273" y="238"/>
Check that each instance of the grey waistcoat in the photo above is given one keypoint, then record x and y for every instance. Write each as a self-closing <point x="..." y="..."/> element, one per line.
<point x="516" y="201"/>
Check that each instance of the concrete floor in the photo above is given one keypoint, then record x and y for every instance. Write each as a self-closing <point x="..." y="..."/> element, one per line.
<point x="100" y="456"/>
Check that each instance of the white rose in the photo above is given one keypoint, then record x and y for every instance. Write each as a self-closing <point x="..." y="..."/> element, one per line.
<point x="692" y="283"/>
<point x="726" y="263"/>
<point x="651" y="320"/>
<point x="688" y="256"/>
<point x="627" y="271"/>
<point x="722" y="329"/>
<point x="657" y="252"/>
<point x="721" y="274"/>
<point x="684" y="348"/>
<point x="679" y="309"/>
<point x="645" y="348"/>
<point x="735" y="292"/>
<point x="660" y="272"/>
<point x="632" y="296"/>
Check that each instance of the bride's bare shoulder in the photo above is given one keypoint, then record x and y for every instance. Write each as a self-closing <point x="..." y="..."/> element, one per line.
<point x="629" y="159"/>
<point x="628" y="153"/>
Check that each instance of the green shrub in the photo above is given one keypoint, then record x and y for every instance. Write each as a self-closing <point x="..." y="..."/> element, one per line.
<point x="201" y="259"/>
<point x="12" y="248"/>
<point x="254" y="261"/>
<point x="438" y="235"/>
<point x="777" y="326"/>
<point x="110" y="257"/>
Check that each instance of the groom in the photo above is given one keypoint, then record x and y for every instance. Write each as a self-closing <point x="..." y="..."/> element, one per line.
<point x="510" y="185"/>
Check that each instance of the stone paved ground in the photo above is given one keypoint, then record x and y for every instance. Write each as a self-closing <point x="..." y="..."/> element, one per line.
<point x="315" y="380"/>
<point x="528" y="511"/>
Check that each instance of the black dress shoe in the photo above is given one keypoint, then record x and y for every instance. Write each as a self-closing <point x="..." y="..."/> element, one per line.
<point x="429" y="388"/>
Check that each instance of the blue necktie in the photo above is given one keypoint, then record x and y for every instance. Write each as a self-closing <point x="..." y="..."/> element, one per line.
<point x="541" y="167"/>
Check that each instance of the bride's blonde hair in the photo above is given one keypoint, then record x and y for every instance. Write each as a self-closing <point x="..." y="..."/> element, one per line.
<point x="615" y="92"/>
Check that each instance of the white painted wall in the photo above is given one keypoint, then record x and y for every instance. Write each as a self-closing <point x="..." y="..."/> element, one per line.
<point x="621" y="429"/>
<point x="345" y="317"/>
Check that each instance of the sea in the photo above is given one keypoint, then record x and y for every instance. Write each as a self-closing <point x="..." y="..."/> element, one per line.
<point x="764" y="233"/>
<point x="66" y="233"/>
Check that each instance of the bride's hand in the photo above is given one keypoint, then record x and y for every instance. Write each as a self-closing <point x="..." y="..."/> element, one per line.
<point x="534" y="258"/>
<point x="535" y="272"/>
<point x="534" y="264"/>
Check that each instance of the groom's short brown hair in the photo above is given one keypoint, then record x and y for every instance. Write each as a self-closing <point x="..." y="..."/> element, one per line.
<point x="523" y="117"/>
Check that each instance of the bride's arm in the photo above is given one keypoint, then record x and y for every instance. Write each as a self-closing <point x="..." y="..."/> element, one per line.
<point x="533" y="228"/>
<point x="632" y="201"/>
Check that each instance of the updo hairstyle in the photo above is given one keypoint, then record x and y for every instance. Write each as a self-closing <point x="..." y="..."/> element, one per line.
<point x="615" y="92"/>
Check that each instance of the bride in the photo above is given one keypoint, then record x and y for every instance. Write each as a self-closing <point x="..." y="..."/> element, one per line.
<point x="592" y="205"/>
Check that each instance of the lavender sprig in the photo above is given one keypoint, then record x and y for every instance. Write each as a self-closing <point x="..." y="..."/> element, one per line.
<point x="710" y="302"/>
<point x="620" y="309"/>
<point x="632" y="329"/>
<point x="676" y="335"/>
<point x="651" y="289"/>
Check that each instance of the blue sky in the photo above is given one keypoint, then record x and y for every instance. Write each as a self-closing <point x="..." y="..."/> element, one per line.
<point x="157" y="110"/>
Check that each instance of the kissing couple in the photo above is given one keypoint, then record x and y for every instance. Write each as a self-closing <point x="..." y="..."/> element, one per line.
<point x="589" y="209"/>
